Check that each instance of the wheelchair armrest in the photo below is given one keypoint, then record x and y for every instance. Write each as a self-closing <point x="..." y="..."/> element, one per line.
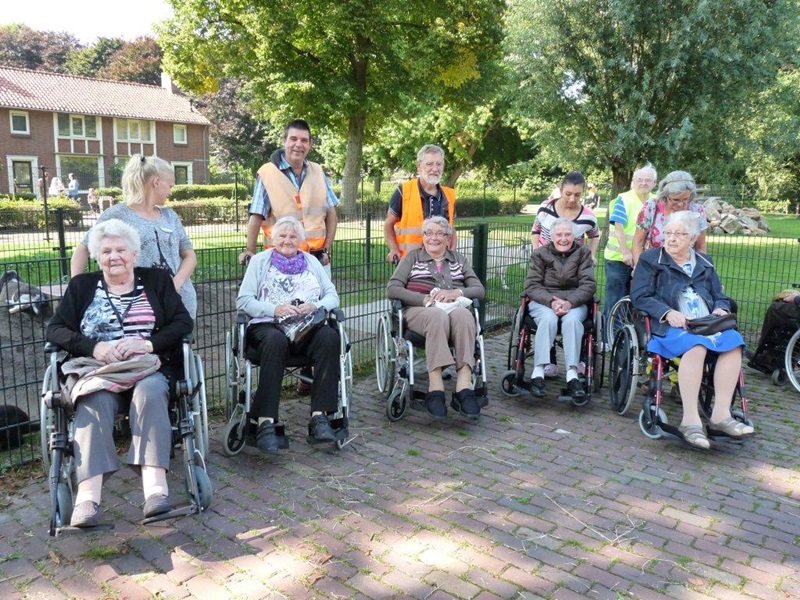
<point x="188" y="338"/>
<point x="51" y="347"/>
<point x="241" y="317"/>
<point x="476" y="303"/>
<point x="397" y="305"/>
<point x="337" y="314"/>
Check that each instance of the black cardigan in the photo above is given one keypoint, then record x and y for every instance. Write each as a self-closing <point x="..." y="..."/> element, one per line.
<point x="172" y="319"/>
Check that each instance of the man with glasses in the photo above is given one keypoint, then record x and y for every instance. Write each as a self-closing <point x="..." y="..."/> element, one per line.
<point x="618" y="254"/>
<point x="676" y="192"/>
<point x="416" y="200"/>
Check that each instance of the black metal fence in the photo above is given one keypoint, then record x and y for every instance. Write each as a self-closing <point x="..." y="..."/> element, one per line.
<point x="752" y="269"/>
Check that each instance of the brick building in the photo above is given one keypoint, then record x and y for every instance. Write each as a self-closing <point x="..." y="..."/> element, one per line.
<point x="90" y="127"/>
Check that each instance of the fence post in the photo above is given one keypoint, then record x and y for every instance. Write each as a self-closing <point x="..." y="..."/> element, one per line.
<point x="368" y="249"/>
<point x="62" y="243"/>
<point x="480" y="249"/>
<point x="236" y="199"/>
<point x="44" y="203"/>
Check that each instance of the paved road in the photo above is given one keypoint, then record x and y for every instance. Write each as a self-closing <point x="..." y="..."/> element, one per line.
<point x="537" y="500"/>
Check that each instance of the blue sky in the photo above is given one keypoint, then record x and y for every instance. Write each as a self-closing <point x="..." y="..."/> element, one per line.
<point x="87" y="19"/>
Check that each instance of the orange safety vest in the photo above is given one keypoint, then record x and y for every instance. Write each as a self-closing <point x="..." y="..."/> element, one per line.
<point x="409" y="228"/>
<point x="307" y="205"/>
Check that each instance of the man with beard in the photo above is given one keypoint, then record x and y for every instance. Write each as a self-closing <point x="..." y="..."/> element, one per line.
<point x="416" y="200"/>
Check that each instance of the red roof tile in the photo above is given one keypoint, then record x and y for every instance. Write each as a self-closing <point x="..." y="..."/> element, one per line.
<point x="38" y="90"/>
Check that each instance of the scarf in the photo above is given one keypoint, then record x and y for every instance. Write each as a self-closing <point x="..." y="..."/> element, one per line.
<point x="289" y="266"/>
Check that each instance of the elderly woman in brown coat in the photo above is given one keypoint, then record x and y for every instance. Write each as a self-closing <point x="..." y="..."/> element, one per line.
<point x="560" y="285"/>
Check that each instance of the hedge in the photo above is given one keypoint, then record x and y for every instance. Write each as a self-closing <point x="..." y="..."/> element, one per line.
<point x="20" y="214"/>
<point x="209" y="210"/>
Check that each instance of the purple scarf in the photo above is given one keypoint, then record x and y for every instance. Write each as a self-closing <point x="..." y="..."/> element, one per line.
<point x="289" y="266"/>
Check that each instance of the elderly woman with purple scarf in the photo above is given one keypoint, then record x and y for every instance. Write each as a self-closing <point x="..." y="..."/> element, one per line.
<point x="281" y="283"/>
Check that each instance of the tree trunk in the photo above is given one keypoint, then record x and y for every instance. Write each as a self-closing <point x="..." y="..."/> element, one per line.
<point x="376" y="183"/>
<point x="621" y="179"/>
<point x="352" y="163"/>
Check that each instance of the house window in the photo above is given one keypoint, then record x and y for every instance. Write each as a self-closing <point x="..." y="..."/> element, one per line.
<point x="179" y="134"/>
<point x="19" y="122"/>
<point x="183" y="173"/>
<point x="133" y="130"/>
<point x="77" y="126"/>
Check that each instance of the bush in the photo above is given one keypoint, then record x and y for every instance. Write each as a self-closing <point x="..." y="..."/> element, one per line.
<point x="114" y="192"/>
<point x="196" y="192"/>
<point x="209" y="210"/>
<point x="25" y="214"/>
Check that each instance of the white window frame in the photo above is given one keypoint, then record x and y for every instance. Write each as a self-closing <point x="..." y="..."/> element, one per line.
<point x="19" y="113"/>
<point x="138" y="140"/>
<point x="189" y="165"/>
<point x="34" y="160"/>
<point x="98" y="125"/>
<point x="180" y="127"/>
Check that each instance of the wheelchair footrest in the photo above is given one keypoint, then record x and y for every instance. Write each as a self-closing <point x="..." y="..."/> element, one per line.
<point x="69" y="530"/>
<point x="182" y="511"/>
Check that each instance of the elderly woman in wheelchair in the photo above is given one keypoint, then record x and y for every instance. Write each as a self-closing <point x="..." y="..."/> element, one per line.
<point x="283" y="285"/>
<point x="129" y="322"/>
<point x="436" y="286"/>
<point x="673" y="285"/>
<point x="560" y="286"/>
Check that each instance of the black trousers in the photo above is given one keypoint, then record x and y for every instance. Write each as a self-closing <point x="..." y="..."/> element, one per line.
<point x="273" y="348"/>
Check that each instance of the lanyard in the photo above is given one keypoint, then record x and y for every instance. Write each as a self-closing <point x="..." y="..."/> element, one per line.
<point x="120" y="317"/>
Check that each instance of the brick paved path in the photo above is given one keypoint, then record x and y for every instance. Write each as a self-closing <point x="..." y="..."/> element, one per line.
<point x="539" y="499"/>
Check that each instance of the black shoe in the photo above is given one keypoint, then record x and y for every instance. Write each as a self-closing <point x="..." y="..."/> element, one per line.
<point x="435" y="404"/>
<point x="266" y="438"/>
<point x="156" y="504"/>
<point x="320" y="429"/>
<point x="466" y="403"/>
<point x="575" y="388"/>
<point x="303" y="389"/>
<point x="537" y="387"/>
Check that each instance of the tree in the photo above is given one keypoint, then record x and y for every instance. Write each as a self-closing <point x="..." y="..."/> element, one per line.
<point x="342" y="64"/>
<point x="23" y="47"/>
<point x="613" y="83"/>
<point x="88" y="61"/>
<point x="138" y="61"/>
<point x="238" y="138"/>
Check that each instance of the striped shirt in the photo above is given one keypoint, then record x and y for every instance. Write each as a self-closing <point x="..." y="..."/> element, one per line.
<point x="585" y="223"/>
<point x="101" y="320"/>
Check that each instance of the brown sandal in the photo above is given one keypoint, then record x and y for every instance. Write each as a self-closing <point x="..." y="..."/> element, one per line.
<point x="695" y="436"/>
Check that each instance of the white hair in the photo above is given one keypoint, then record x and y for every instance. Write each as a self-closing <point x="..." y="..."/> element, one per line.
<point x="113" y="228"/>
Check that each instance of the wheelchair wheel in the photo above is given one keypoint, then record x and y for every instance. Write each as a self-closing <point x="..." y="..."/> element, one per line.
<point x="233" y="436"/>
<point x="779" y="377"/>
<point x="205" y="490"/>
<point x="792" y="360"/>
<point x="200" y="409"/>
<point x="648" y="422"/>
<point x="513" y="340"/>
<point x="620" y="314"/>
<point x="624" y="369"/>
<point x="507" y="384"/>
<point x="46" y="417"/>
<point x="396" y="405"/>
<point x="384" y="357"/>
<point x="599" y="356"/>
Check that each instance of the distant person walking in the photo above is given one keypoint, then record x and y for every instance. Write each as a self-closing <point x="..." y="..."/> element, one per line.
<point x="73" y="188"/>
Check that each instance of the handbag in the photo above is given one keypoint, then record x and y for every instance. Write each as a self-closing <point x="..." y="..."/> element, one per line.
<point x="711" y="324"/>
<point x="301" y="328"/>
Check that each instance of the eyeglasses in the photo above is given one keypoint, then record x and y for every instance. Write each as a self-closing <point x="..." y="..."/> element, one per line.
<point x="435" y="234"/>
<point x="679" y="200"/>
<point x="677" y="234"/>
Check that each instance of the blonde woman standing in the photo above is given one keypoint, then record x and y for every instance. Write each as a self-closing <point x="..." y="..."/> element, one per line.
<point x="146" y="184"/>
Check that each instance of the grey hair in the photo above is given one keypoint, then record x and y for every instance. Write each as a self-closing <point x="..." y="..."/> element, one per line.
<point x="689" y="219"/>
<point x="440" y="221"/>
<point x="564" y="221"/>
<point x="647" y="168"/>
<point x="113" y="228"/>
<point x="429" y="149"/>
<point x="138" y="172"/>
<point x="677" y="182"/>
<point x="288" y="221"/>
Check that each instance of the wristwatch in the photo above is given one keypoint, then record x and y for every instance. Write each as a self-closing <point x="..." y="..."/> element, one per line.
<point x="148" y="345"/>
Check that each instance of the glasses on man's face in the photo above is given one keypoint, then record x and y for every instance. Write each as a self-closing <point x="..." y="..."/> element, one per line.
<point x="434" y="234"/>
<point x="675" y="234"/>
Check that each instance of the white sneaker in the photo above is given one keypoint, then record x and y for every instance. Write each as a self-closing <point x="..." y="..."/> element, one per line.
<point x="551" y="370"/>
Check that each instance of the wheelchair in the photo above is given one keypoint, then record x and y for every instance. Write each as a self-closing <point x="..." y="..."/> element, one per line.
<point x="240" y="358"/>
<point x="394" y="363"/>
<point x="188" y="412"/>
<point x="520" y="349"/>
<point x="632" y="363"/>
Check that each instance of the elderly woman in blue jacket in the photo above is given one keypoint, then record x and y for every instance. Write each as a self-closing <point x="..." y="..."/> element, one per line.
<point x="675" y="283"/>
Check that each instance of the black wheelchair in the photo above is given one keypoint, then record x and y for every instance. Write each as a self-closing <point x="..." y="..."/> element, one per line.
<point x="188" y="416"/>
<point x="634" y="368"/>
<point x="240" y="358"/>
<point x="394" y="363"/>
<point x="520" y="349"/>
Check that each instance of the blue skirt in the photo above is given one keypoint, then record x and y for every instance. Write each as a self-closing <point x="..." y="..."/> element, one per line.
<point x="678" y="341"/>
